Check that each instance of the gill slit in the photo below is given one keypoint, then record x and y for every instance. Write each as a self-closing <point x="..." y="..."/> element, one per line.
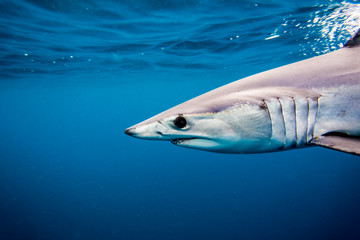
<point x="308" y="117"/>
<point x="271" y="122"/>
<point x="316" y="114"/>
<point x="295" y="122"/>
<point x="283" y="120"/>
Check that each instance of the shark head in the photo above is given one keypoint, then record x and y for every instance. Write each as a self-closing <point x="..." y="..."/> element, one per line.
<point x="225" y="124"/>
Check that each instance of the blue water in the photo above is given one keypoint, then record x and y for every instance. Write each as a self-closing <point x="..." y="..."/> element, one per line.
<point x="75" y="74"/>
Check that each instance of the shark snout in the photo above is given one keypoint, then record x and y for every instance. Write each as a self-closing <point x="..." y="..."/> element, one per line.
<point x="129" y="131"/>
<point x="153" y="130"/>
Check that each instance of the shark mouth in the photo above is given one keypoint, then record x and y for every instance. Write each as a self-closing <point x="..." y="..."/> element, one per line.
<point x="197" y="143"/>
<point x="180" y="140"/>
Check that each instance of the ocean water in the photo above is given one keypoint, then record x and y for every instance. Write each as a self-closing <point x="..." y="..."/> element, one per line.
<point x="75" y="74"/>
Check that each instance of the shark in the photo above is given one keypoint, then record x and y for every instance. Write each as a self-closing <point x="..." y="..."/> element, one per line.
<point x="313" y="102"/>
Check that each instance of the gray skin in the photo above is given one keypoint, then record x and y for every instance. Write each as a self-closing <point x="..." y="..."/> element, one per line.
<point x="311" y="102"/>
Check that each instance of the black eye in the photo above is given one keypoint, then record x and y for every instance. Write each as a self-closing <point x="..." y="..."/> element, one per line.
<point x="180" y="122"/>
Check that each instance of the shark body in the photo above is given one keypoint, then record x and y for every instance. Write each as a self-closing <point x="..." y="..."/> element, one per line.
<point x="311" y="102"/>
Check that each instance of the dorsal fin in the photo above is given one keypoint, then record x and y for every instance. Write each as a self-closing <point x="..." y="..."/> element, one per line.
<point x="354" y="40"/>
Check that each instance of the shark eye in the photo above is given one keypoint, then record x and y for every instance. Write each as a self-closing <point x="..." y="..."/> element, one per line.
<point x="180" y="122"/>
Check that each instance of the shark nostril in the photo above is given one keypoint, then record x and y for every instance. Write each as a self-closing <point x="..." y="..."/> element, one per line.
<point x="160" y="133"/>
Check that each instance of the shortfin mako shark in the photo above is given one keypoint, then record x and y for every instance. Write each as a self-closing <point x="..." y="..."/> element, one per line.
<point x="314" y="102"/>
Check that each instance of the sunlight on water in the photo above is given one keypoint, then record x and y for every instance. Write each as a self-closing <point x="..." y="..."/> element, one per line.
<point x="325" y="29"/>
<point x="337" y="23"/>
<point x="345" y="18"/>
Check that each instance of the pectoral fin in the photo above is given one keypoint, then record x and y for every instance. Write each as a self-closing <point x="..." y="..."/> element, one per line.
<point x="340" y="142"/>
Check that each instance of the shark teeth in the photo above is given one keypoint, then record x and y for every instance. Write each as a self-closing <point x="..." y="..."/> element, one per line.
<point x="180" y="140"/>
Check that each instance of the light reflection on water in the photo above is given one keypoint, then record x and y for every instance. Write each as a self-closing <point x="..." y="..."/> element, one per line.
<point x="325" y="29"/>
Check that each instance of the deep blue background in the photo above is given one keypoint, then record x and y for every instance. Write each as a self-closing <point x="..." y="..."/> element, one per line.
<point x="75" y="74"/>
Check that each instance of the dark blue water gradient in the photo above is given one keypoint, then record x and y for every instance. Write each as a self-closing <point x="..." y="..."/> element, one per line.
<point x="74" y="74"/>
